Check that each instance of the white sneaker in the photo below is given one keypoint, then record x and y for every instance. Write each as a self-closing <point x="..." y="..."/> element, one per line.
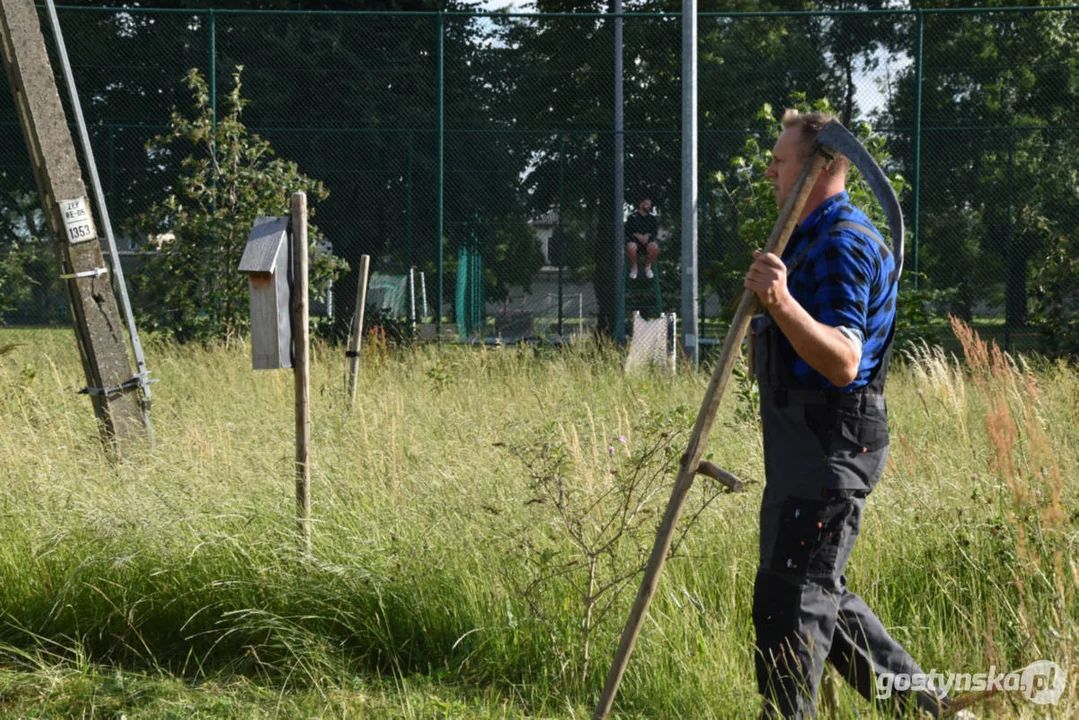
<point x="648" y="272"/>
<point x="633" y="273"/>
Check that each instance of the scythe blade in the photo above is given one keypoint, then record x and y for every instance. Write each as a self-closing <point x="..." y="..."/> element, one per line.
<point x="841" y="140"/>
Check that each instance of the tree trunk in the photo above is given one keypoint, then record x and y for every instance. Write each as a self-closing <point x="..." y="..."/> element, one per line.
<point x="848" y="101"/>
<point x="1015" y="294"/>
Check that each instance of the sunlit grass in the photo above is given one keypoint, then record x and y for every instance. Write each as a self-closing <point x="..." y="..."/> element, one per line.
<point x="180" y="568"/>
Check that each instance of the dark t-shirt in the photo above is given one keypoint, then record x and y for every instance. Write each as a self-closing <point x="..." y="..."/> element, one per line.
<point x="637" y="223"/>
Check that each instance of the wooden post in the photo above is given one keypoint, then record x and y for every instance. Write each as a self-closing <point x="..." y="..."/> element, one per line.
<point x="357" y="331"/>
<point x="301" y="367"/>
<point x="112" y="384"/>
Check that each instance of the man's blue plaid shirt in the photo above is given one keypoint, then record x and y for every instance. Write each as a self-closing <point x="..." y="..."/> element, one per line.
<point x="847" y="279"/>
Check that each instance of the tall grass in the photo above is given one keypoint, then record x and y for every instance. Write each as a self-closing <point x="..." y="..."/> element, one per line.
<point x="183" y="562"/>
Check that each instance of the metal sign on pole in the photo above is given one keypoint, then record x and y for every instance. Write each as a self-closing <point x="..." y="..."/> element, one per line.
<point x="116" y="392"/>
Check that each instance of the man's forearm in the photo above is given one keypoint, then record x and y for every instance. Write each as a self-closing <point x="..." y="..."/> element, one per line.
<point x="824" y="348"/>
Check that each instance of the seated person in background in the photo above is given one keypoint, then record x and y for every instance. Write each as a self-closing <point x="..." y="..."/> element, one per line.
<point x="641" y="230"/>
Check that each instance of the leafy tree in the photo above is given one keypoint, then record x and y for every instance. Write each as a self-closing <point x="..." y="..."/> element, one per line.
<point x="563" y="94"/>
<point x="231" y="177"/>
<point x="855" y="39"/>
<point x="373" y="137"/>
<point x="357" y="104"/>
<point x="30" y="285"/>
<point x="1000" y="103"/>
<point x="1055" y="301"/>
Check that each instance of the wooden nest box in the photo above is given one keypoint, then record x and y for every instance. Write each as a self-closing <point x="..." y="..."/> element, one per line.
<point x="266" y="263"/>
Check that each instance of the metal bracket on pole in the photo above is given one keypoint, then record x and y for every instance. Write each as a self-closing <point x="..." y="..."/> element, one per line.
<point x="140" y="381"/>
<point x="95" y="273"/>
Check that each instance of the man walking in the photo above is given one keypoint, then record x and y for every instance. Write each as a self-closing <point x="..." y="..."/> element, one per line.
<point x="641" y="231"/>
<point x="821" y="354"/>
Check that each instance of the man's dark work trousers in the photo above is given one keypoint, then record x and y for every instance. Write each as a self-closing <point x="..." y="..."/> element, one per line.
<point x="823" y="453"/>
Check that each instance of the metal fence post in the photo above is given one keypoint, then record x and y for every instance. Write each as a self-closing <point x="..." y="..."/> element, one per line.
<point x="561" y="230"/>
<point x="920" y="23"/>
<point x="441" y="132"/>
<point x="689" y="182"/>
<point x="702" y="221"/>
<point x="619" y="184"/>
<point x="1009" y="255"/>
<point x="408" y="207"/>
<point x="213" y="68"/>
<point x="213" y="97"/>
<point x="111" y="194"/>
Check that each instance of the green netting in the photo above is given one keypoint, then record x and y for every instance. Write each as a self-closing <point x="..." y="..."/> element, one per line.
<point x="469" y="300"/>
<point x="517" y="171"/>
<point x="388" y="292"/>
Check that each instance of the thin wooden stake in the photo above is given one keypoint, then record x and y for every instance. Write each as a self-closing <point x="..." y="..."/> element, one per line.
<point x="357" y="330"/>
<point x="301" y="366"/>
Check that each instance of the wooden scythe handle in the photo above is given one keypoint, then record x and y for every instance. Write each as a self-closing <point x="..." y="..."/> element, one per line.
<point x="788" y="218"/>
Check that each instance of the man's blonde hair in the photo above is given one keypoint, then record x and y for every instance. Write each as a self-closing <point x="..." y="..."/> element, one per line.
<point x="810" y="124"/>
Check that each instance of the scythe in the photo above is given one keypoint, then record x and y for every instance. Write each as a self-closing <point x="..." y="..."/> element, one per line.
<point x="832" y="139"/>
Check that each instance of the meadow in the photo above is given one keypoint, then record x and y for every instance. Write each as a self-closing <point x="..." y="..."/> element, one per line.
<point x="479" y="519"/>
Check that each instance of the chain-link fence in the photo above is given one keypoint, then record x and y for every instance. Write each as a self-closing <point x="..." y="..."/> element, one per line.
<point x="495" y="133"/>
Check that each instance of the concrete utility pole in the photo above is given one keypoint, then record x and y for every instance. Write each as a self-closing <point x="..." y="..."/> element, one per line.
<point x="111" y="383"/>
